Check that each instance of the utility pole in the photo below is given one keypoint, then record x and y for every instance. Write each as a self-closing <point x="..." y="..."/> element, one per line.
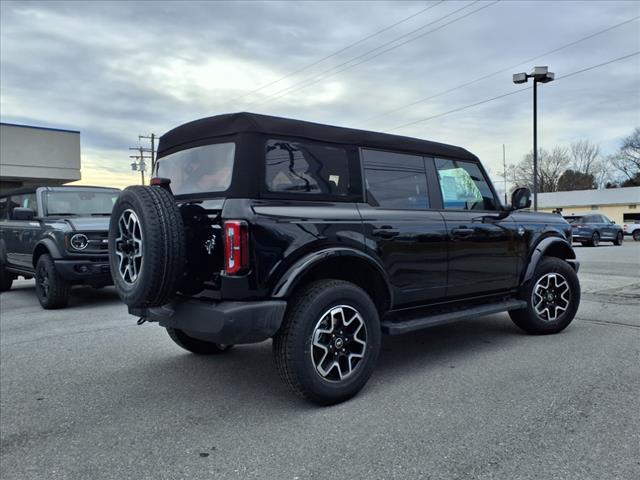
<point x="152" y="150"/>
<point x="139" y="163"/>
<point x="144" y="153"/>
<point x="504" y="173"/>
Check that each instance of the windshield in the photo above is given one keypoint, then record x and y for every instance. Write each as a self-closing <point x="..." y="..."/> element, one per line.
<point x="80" y="202"/>
<point x="200" y="169"/>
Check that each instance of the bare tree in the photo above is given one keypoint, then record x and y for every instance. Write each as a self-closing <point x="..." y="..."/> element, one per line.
<point x="585" y="157"/>
<point x="551" y="165"/>
<point x="627" y="159"/>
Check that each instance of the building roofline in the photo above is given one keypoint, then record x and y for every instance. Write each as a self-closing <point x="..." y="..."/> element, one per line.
<point x="51" y="129"/>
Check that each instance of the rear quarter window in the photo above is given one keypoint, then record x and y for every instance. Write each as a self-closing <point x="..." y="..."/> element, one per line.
<point x="309" y="168"/>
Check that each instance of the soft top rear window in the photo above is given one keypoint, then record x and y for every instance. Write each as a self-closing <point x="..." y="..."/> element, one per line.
<point x="202" y="169"/>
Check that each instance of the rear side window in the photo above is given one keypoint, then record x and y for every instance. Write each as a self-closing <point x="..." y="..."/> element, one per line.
<point x="4" y="208"/>
<point x="306" y="168"/>
<point x="463" y="186"/>
<point x="395" y="180"/>
<point x="200" y="169"/>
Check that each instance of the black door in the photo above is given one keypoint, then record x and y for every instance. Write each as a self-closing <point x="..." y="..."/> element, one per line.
<point x="23" y="234"/>
<point x="401" y="230"/>
<point x="482" y="253"/>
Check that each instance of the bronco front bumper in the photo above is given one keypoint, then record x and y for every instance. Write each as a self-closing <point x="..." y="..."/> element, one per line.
<point x="220" y="322"/>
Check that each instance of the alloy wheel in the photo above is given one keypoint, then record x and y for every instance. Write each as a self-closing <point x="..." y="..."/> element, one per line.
<point x="43" y="281"/>
<point x="129" y="246"/>
<point x="339" y="343"/>
<point x="551" y="296"/>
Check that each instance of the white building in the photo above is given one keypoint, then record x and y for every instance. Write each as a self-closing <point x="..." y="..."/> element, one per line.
<point x="622" y="205"/>
<point x="32" y="155"/>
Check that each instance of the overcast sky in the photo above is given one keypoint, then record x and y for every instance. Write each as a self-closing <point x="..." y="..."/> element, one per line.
<point x="116" y="69"/>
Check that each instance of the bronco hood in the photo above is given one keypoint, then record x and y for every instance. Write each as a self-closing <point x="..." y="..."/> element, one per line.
<point x="89" y="224"/>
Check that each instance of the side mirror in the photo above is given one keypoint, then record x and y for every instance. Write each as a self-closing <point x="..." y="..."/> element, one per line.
<point x="521" y="198"/>
<point x="20" y="213"/>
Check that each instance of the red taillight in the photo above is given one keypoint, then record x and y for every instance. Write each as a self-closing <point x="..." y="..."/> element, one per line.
<point x="236" y="247"/>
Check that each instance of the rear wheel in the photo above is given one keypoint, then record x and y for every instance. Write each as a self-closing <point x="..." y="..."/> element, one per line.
<point x="6" y="279"/>
<point x="195" y="345"/>
<point x="552" y="296"/>
<point x="52" y="290"/>
<point x="595" y="239"/>
<point x="619" y="239"/>
<point x="636" y="235"/>
<point x="329" y="342"/>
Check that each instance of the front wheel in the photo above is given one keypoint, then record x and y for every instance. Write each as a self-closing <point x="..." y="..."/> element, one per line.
<point x="195" y="345"/>
<point x="552" y="296"/>
<point x="6" y="279"/>
<point x="619" y="239"/>
<point x="52" y="290"/>
<point x="636" y="235"/>
<point x="328" y="344"/>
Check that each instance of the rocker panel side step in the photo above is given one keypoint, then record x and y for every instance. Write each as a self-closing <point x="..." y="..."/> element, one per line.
<point x="400" y="327"/>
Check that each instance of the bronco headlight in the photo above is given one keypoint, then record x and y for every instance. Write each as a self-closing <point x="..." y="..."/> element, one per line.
<point x="79" y="241"/>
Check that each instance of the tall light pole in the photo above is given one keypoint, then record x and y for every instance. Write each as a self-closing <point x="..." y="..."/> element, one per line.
<point x="539" y="75"/>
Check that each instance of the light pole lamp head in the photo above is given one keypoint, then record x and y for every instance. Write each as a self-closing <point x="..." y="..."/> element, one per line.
<point x="520" y="78"/>
<point x="542" y="74"/>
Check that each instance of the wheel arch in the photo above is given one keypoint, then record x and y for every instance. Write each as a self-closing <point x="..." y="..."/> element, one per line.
<point x="44" y="246"/>
<point x="550" y="247"/>
<point x="340" y="264"/>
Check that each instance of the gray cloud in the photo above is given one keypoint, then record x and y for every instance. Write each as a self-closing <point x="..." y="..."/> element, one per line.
<point x="116" y="69"/>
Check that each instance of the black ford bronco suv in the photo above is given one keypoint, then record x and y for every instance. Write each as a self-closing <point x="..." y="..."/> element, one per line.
<point x="57" y="235"/>
<point x="323" y="238"/>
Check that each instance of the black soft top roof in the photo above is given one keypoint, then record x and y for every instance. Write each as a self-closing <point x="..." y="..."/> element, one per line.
<point x="198" y="131"/>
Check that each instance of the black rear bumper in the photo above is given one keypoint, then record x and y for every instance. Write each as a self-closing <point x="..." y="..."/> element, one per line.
<point x="220" y="322"/>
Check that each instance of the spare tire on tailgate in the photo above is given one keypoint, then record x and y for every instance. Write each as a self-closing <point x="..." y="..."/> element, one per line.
<point x="146" y="246"/>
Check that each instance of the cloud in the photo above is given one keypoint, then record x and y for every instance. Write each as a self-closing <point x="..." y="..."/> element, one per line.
<point x="114" y="70"/>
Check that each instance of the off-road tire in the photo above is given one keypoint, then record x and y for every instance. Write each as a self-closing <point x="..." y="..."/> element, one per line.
<point x="636" y="235"/>
<point x="595" y="240"/>
<point x="6" y="279"/>
<point x="163" y="253"/>
<point x="619" y="239"/>
<point x="195" y="345"/>
<point x="51" y="289"/>
<point x="292" y="343"/>
<point x="527" y="318"/>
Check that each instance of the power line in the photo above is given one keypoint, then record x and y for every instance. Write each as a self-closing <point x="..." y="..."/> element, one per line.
<point x="511" y="93"/>
<point x="484" y="77"/>
<point x="337" y="52"/>
<point x="330" y="72"/>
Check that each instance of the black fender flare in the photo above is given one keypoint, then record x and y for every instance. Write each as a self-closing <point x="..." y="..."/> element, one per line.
<point x="45" y="244"/>
<point x="289" y="280"/>
<point x="559" y="247"/>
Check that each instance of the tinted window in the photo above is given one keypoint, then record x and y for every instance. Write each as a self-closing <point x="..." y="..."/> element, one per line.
<point x="463" y="186"/>
<point x="26" y="200"/>
<point x="79" y="202"/>
<point x="200" y="169"/>
<point x="395" y="180"/>
<point x="4" y="208"/>
<point x="305" y="167"/>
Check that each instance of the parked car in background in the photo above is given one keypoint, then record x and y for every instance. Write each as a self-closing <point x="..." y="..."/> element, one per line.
<point x="591" y="229"/>
<point x="632" y="229"/>
<point x="57" y="235"/>
<point x="323" y="238"/>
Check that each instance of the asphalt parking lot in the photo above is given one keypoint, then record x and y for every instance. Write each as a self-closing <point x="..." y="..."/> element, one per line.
<point x="87" y="394"/>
